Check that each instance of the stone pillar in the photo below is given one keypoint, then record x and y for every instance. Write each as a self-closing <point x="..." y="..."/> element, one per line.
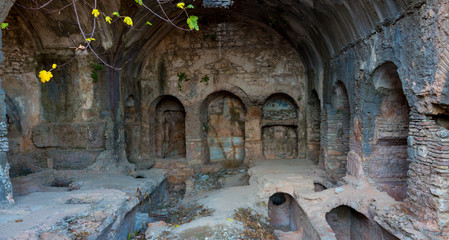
<point x="5" y="182"/>
<point x="194" y="131"/>
<point x="253" y="135"/>
<point x="428" y="183"/>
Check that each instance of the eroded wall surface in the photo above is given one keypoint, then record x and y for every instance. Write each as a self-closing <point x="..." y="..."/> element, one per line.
<point x="229" y="59"/>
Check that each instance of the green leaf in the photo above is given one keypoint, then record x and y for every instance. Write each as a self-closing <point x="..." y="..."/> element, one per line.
<point x="148" y="23"/>
<point x="4" y="25"/>
<point x="190" y="6"/>
<point x="205" y="80"/>
<point x="116" y="14"/>
<point x="139" y="2"/>
<point x="193" y="22"/>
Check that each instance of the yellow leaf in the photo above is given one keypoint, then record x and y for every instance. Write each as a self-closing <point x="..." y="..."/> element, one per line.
<point x="108" y="19"/>
<point x="95" y="12"/>
<point x="54" y="66"/>
<point x="90" y="39"/>
<point x="230" y="219"/>
<point x="128" y="21"/>
<point x="181" y="5"/>
<point x="45" y="76"/>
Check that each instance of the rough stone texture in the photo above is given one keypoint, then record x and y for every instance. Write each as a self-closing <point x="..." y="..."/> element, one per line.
<point x="226" y="130"/>
<point x="314" y="127"/>
<point x="170" y="139"/>
<point x="335" y="140"/>
<point x="178" y="171"/>
<point x="355" y="164"/>
<point x="280" y="129"/>
<point x="349" y="224"/>
<point x="103" y="206"/>
<point x="69" y="136"/>
<point x="279" y="142"/>
<point x="344" y="50"/>
<point x="239" y="59"/>
<point x="6" y="194"/>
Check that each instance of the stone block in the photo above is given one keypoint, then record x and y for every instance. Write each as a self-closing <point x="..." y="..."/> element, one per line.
<point x="77" y="160"/>
<point x="355" y="164"/>
<point x="3" y="129"/>
<point x="70" y="135"/>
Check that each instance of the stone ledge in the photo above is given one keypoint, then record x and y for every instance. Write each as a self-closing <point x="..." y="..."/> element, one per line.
<point x="100" y="205"/>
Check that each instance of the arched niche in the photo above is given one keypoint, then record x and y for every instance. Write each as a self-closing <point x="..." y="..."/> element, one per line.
<point x="223" y="115"/>
<point x="287" y="216"/>
<point x="280" y="127"/>
<point x="313" y="127"/>
<point x="170" y="128"/>
<point x="388" y="163"/>
<point x="349" y="224"/>
<point x="338" y="131"/>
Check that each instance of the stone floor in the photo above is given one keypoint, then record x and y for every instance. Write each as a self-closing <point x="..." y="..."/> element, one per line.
<point x="93" y="205"/>
<point x="77" y="204"/>
<point x="295" y="177"/>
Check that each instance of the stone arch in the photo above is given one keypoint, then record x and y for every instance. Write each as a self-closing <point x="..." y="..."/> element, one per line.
<point x="170" y="128"/>
<point x="280" y="127"/>
<point x="349" y="224"/>
<point x="287" y="216"/>
<point x="314" y="127"/>
<point x="338" y="131"/>
<point x="223" y="117"/>
<point x="387" y="110"/>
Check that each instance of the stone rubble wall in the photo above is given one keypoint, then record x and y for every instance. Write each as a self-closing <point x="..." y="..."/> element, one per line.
<point x="411" y="41"/>
<point x="247" y="60"/>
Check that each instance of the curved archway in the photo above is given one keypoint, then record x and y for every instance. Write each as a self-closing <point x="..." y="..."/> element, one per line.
<point x="223" y="117"/>
<point x="289" y="218"/>
<point x="170" y="130"/>
<point x="279" y="127"/>
<point x="389" y="112"/>
<point x="314" y="127"/>
<point x="338" y="131"/>
<point x="349" y="224"/>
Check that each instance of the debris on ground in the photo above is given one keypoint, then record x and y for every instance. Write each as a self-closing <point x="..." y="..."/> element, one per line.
<point x="182" y="214"/>
<point x="204" y="182"/>
<point x="256" y="225"/>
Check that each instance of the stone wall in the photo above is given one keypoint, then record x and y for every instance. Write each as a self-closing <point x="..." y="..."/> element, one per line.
<point x="355" y="65"/>
<point x="336" y="137"/>
<point x="6" y="196"/>
<point x="280" y="128"/>
<point x="59" y="124"/>
<point x="314" y="127"/>
<point x="244" y="59"/>
<point x="427" y="185"/>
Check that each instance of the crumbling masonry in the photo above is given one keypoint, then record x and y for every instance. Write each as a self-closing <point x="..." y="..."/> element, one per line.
<point x="359" y="88"/>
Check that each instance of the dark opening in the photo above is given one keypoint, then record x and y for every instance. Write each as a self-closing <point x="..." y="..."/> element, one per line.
<point x="388" y="163"/>
<point x="318" y="187"/>
<point x="170" y="128"/>
<point x="348" y="224"/>
<point x="61" y="182"/>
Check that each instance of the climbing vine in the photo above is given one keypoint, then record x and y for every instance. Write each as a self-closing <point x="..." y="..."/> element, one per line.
<point x="110" y="18"/>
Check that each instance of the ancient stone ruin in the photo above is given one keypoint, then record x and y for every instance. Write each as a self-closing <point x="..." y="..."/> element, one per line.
<point x="275" y="120"/>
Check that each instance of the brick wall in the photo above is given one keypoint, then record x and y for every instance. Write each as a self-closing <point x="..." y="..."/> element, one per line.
<point x="428" y="183"/>
<point x="335" y="140"/>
